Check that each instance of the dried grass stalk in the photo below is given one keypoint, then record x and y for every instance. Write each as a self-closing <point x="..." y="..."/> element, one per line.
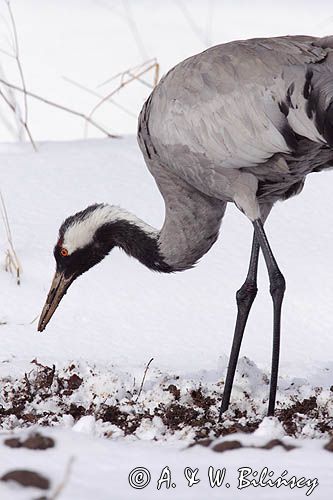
<point x="12" y="263"/>
<point x="9" y="100"/>
<point x="126" y="77"/>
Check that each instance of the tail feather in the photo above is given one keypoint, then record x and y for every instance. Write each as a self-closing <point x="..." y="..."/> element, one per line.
<point x="328" y="124"/>
<point x="320" y="95"/>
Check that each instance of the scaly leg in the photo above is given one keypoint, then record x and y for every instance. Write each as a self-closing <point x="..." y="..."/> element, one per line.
<point x="244" y="297"/>
<point x="277" y="289"/>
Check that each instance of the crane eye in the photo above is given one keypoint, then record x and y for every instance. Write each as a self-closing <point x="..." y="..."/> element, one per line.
<point x="64" y="252"/>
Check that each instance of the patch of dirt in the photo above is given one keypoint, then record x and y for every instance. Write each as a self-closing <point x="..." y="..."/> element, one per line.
<point x="27" y="478"/>
<point x="200" y="400"/>
<point x="127" y="423"/>
<point x="33" y="442"/>
<point x="227" y="445"/>
<point x="234" y="445"/>
<point x="174" y="390"/>
<point x="201" y="442"/>
<point x="276" y="442"/>
<point x="329" y="446"/>
<point x="77" y="411"/>
<point x="294" y="417"/>
<point x="45" y="395"/>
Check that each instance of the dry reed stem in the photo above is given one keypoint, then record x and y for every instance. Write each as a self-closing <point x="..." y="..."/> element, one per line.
<point x="143" y="379"/>
<point x="96" y="94"/>
<point x="132" y="69"/>
<point x="14" y="109"/>
<point x="60" y="106"/>
<point x="123" y="83"/>
<point x="12" y="104"/>
<point x="64" y="481"/>
<point x="12" y="263"/>
<point x="19" y="131"/>
<point x="17" y="57"/>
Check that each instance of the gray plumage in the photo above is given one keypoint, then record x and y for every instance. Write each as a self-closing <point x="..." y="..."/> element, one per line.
<point x="241" y="122"/>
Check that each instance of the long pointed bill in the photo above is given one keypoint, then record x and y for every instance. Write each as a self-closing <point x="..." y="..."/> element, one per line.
<point x="59" y="287"/>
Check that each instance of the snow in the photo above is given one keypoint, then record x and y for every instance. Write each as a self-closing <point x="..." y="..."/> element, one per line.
<point x="119" y="315"/>
<point x="116" y="459"/>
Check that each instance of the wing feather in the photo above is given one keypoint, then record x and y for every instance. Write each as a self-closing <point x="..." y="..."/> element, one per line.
<point x="222" y="105"/>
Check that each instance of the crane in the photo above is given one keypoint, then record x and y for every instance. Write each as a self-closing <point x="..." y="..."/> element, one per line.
<point x="242" y="122"/>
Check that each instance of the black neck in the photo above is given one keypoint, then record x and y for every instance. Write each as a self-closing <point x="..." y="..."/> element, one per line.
<point x="136" y="242"/>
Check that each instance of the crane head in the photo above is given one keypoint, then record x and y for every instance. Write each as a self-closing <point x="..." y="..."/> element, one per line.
<point x="81" y="245"/>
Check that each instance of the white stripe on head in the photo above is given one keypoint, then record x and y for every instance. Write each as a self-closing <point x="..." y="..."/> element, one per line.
<point x="81" y="231"/>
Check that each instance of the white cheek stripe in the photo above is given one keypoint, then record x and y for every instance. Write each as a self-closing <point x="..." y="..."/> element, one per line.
<point x="81" y="232"/>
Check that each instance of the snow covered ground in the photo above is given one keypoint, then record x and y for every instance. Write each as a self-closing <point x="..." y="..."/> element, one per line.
<point x="120" y="315"/>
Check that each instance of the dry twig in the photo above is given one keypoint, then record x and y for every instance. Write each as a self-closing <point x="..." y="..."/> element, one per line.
<point x="123" y="82"/>
<point x="14" y="109"/>
<point x="203" y="37"/>
<point x="18" y="132"/>
<point x="134" y="29"/>
<point x="11" y="102"/>
<point x="17" y="57"/>
<point x="96" y="94"/>
<point x="9" y="126"/>
<point x="143" y="379"/>
<point x="12" y="263"/>
<point x="64" y="481"/>
<point x="134" y="69"/>
<point x="60" y="106"/>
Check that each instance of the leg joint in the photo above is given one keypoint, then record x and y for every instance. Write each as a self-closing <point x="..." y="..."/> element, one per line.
<point x="247" y="293"/>
<point x="278" y="283"/>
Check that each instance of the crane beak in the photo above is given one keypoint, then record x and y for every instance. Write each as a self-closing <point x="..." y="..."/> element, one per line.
<point x="59" y="287"/>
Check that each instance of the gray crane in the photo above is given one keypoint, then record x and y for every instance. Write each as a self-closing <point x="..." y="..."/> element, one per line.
<point x="242" y="122"/>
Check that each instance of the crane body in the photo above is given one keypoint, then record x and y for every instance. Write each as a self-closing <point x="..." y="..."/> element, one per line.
<point x="243" y="122"/>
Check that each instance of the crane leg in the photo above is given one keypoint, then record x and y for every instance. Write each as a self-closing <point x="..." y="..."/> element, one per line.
<point x="244" y="297"/>
<point x="277" y="289"/>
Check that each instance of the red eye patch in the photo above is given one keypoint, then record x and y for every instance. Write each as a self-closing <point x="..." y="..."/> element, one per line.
<point x="64" y="252"/>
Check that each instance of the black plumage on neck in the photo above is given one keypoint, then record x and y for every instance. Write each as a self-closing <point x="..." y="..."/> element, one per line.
<point x="135" y="241"/>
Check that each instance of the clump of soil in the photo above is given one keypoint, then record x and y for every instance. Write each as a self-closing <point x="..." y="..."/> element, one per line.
<point x="45" y="395"/>
<point x="329" y="446"/>
<point x="33" y="442"/>
<point x="227" y="445"/>
<point x="174" y="390"/>
<point x="294" y="417"/>
<point x="27" y="478"/>
<point x="234" y="445"/>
